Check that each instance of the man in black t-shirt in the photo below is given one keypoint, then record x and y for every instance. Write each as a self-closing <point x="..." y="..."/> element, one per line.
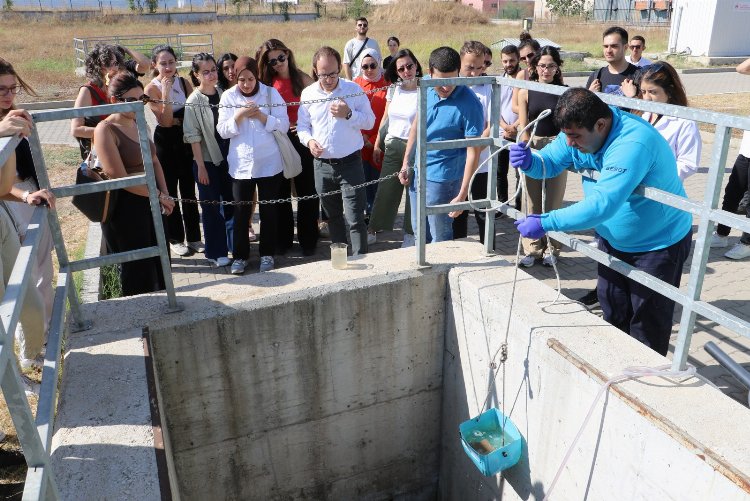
<point x="609" y="79"/>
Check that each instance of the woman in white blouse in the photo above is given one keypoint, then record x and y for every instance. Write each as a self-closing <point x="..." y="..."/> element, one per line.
<point x="254" y="159"/>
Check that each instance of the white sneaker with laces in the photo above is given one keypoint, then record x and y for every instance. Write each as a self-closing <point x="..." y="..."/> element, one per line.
<point x="266" y="263"/>
<point x="718" y="241"/>
<point x="220" y="261"/>
<point x="527" y="261"/>
<point x="739" y="251"/>
<point x="238" y="267"/>
<point x="371" y="238"/>
<point x="179" y="248"/>
<point x="197" y="246"/>
<point x="549" y="260"/>
<point x="408" y="241"/>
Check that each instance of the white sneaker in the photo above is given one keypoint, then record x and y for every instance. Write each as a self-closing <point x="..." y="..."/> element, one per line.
<point x="739" y="251"/>
<point x="527" y="261"/>
<point x="220" y="261"/>
<point x="408" y="241"/>
<point x="371" y="238"/>
<point x="549" y="260"/>
<point x="31" y="363"/>
<point x="197" y="246"/>
<point x="323" y="230"/>
<point x="30" y="387"/>
<point x="718" y="241"/>
<point x="238" y="267"/>
<point x="266" y="263"/>
<point x="179" y="248"/>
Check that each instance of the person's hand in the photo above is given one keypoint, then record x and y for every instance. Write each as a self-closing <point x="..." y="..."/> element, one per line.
<point x="460" y="198"/>
<point x="166" y="87"/>
<point x="293" y="128"/>
<point x="377" y="154"/>
<point x="530" y="227"/>
<point x="509" y="132"/>
<point x="202" y="174"/>
<point x="41" y="197"/>
<point x="403" y="174"/>
<point x="596" y="85"/>
<point x="167" y="204"/>
<point x="340" y="109"/>
<point x="15" y="123"/>
<point x="315" y="148"/>
<point x="629" y="88"/>
<point x="520" y="156"/>
<point x="253" y="110"/>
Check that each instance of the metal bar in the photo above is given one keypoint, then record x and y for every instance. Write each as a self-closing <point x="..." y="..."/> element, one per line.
<point x="70" y="113"/>
<point x="459" y="143"/>
<point x="161" y="241"/>
<point x="421" y="178"/>
<point x="701" y="251"/>
<point x="54" y="225"/>
<point x="726" y="361"/>
<point x="120" y="257"/>
<point x="443" y="208"/>
<point x="112" y="184"/>
<point x="437" y="82"/>
<point x="489" y="220"/>
<point x="20" y="276"/>
<point x="8" y="147"/>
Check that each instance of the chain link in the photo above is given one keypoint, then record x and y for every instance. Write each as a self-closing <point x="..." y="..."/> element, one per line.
<point x="147" y="99"/>
<point x="285" y="200"/>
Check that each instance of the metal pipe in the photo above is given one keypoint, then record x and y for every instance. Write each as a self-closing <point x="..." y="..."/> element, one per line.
<point x="421" y="178"/>
<point x="739" y="372"/>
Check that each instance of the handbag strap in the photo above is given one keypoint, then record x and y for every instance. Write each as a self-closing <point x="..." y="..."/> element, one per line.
<point x="360" y="49"/>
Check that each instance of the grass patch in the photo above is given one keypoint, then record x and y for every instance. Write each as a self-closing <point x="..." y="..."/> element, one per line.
<point x="111" y="286"/>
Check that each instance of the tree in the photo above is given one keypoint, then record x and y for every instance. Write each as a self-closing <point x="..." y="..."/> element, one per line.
<point x="567" y="7"/>
<point x="152" y="5"/>
<point x="7" y="4"/>
<point x="358" y="8"/>
<point x="136" y="5"/>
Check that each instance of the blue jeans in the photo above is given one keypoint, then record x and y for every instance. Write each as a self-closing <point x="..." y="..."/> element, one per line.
<point x="439" y="226"/>
<point x="347" y="208"/>
<point x="217" y="219"/>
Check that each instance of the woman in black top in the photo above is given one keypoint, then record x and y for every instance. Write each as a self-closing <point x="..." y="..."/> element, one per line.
<point x="548" y="70"/>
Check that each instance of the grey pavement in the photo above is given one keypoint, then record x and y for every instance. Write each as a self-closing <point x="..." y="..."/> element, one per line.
<point x="725" y="282"/>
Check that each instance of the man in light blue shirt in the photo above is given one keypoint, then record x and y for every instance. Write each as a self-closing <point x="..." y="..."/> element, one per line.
<point x="453" y="112"/>
<point x="653" y="237"/>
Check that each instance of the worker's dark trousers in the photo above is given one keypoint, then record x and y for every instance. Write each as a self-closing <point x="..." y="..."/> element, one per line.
<point x="634" y="308"/>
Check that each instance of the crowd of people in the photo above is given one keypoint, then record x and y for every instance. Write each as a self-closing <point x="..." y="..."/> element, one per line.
<point x="217" y="133"/>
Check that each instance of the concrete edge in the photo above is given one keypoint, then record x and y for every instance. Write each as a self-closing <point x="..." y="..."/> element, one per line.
<point x="92" y="278"/>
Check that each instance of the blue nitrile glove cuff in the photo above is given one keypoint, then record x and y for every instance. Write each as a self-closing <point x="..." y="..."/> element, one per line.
<point x="520" y="156"/>
<point x="531" y="227"/>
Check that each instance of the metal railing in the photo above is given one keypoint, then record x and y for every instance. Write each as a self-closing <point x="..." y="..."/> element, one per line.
<point x="35" y="435"/>
<point x="707" y="209"/>
<point x="186" y="45"/>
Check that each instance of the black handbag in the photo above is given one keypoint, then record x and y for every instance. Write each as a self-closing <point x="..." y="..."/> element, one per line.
<point x="97" y="207"/>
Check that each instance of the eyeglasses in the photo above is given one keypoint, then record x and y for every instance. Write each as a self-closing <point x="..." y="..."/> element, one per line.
<point x="132" y="99"/>
<point x="370" y="66"/>
<point x="205" y="73"/>
<point x="276" y="60"/>
<point x="487" y="64"/>
<point x="404" y="68"/>
<point x="13" y="89"/>
<point x="636" y="47"/>
<point x="551" y="66"/>
<point x="328" y="76"/>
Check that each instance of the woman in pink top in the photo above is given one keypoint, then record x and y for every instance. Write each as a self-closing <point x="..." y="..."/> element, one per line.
<point x="279" y="70"/>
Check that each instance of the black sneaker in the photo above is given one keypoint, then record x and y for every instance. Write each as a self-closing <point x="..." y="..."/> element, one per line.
<point x="591" y="299"/>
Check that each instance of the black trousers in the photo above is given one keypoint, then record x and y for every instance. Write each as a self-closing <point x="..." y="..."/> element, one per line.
<point x="243" y="190"/>
<point x="738" y="184"/>
<point x="131" y="227"/>
<point x="307" y="210"/>
<point x="176" y="160"/>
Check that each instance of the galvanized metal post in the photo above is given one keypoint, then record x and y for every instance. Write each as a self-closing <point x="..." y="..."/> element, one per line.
<point x="489" y="220"/>
<point x="153" y="199"/>
<point x="421" y="176"/>
<point x="722" y="136"/>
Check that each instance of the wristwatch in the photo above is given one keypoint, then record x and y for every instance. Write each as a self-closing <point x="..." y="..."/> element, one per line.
<point x="349" y="115"/>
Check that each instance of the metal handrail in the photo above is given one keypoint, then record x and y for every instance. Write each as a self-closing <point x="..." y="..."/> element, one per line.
<point x="179" y="41"/>
<point x="707" y="210"/>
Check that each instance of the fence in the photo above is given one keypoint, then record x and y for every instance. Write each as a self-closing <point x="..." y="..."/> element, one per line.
<point x="706" y="209"/>
<point x="35" y="435"/>
<point x="186" y="45"/>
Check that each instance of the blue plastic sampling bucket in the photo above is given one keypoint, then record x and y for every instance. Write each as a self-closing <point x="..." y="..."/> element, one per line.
<point x="483" y="441"/>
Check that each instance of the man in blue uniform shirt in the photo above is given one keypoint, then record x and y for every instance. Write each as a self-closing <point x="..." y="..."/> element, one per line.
<point x="652" y="237"/>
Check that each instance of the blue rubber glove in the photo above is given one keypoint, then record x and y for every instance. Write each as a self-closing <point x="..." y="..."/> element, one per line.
<point x="531" y="227"/>
<point x="520" y="156"/>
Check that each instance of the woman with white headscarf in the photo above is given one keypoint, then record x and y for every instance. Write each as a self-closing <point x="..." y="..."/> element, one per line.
<point x="370" y="79"/>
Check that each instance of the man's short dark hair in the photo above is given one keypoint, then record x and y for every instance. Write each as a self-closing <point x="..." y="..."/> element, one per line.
<point x="640" y="38"/>
<point x="510" y="49"/>
<point x="445" y="60"/>
<point x="363" y="18"/>
<point x="473" y="47"/>
<point x="616" y="30"/>
<point x="579" y="107"/>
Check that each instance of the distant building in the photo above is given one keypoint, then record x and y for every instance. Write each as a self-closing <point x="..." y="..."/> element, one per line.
<point x="514" y="9"/>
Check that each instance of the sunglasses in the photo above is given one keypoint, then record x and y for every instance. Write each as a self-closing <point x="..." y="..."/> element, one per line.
<point x="636" y="47"/>
<point x="361" y="25"/>
<point x="277" y="60"/>
<point x="132" y="99"/>
<point x="370" y="66"/>
<point x="406" y="67"/>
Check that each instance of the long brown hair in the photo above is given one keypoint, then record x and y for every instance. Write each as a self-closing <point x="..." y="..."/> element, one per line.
<point x="665" y="76"/>
<point x="267" y="72"/>
<point x="7" y="69"/>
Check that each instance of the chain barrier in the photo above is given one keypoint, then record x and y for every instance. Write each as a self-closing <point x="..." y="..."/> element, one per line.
<point x="147" y="99"/>
<point x="285" y="200"/>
